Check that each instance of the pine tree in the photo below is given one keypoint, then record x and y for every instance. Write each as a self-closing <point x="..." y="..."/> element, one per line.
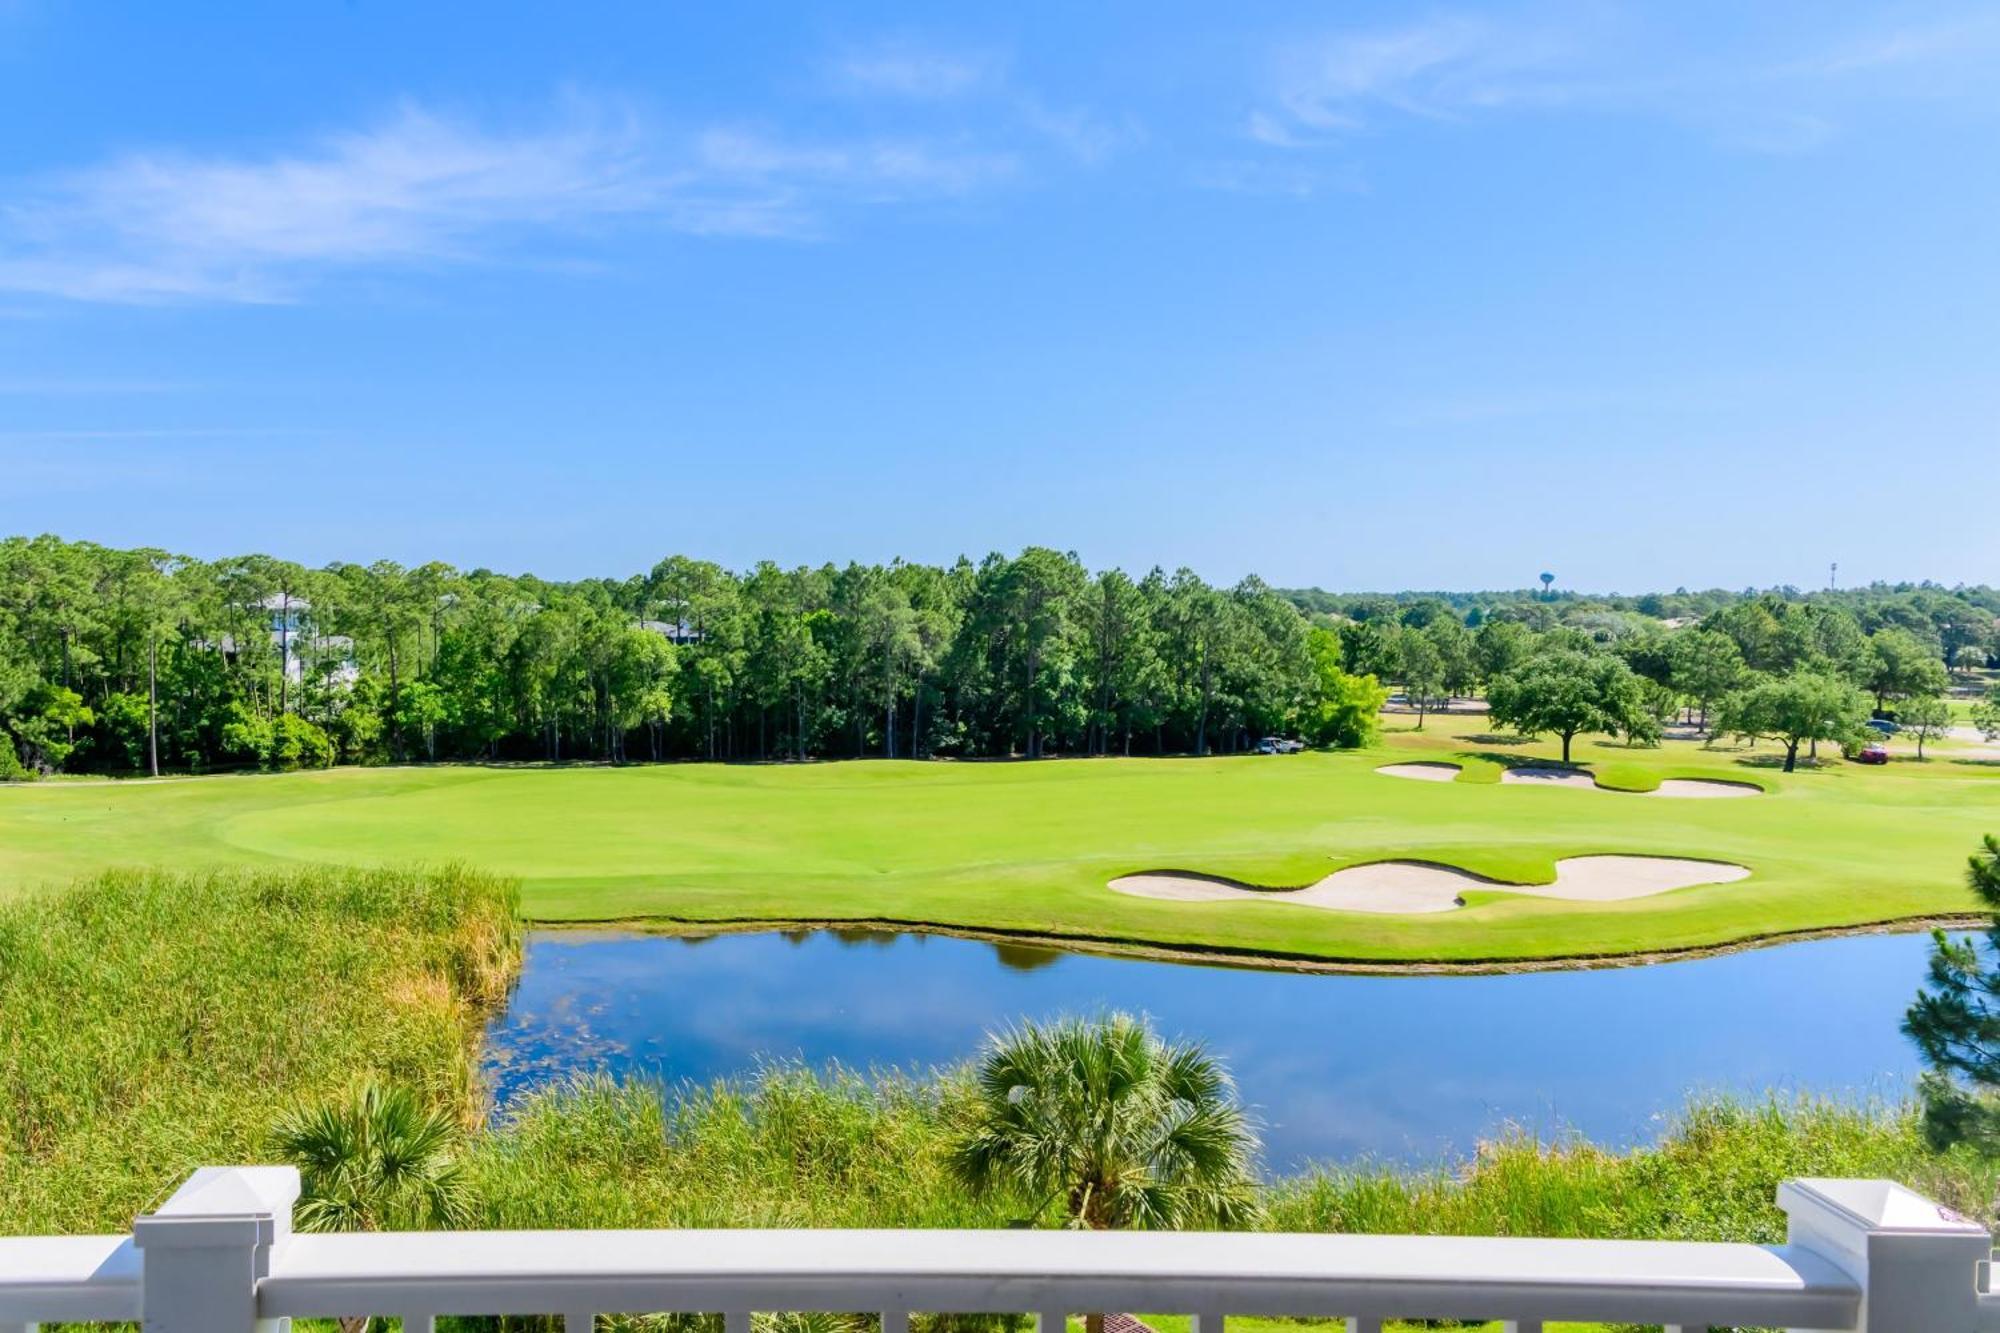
<point x="1955" y="1023"/>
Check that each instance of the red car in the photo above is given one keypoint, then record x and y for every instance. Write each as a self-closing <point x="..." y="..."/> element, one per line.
<point x="1873" y="754"/>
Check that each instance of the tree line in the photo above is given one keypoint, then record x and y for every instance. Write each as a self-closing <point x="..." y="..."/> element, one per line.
<point x="1797" y="672"/>
<point x="140" y="660"/>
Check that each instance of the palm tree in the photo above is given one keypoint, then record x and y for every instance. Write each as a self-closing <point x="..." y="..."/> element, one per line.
<point x="1126" y="1129"/>
<point x="374" y="1160"/>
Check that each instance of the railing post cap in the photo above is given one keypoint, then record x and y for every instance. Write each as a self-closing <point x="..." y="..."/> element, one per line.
<point x="223" y="1205"/>
<point x="1872" y="1206"/>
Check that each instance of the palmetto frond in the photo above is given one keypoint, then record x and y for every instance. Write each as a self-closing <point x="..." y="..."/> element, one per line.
<point x="1128" y="1130"/>
<point x="376" y="1158"/>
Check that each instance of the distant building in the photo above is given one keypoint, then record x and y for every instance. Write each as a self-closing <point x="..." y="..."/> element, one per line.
<point x="331" y="655"/>
<point x="674" y="632"/>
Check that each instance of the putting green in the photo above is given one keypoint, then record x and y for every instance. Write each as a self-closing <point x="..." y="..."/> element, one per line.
<point x="1032" y="847"/>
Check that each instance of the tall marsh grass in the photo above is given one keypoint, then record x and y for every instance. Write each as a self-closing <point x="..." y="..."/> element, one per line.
<point x="786" y="1147"/>
<point x="1713" y="1175"/>
<point x="151" y="1023"/>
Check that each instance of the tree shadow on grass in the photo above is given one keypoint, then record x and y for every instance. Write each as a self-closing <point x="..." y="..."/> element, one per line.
<point x="1777" y="761"/>
<point x="1494" y="738"/>
<point x="1501" y="759"/>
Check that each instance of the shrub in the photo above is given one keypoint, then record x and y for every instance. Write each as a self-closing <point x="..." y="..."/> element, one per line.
<point x="297" y="743"/>
<point x="246" y="736"/>
<point x="11" y="769"/>
<point x="45" y="725"/>
<point x="281" y="744"/>
<point x="122" y="730"/>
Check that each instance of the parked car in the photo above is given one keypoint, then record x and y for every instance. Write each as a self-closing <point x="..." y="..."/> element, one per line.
<point x="1291" y="747"/>
<point x="1873" y="754"/>
<point x="1883" y="725"/>
<point x="1279" y="745"/>
<point x="1269" y="745"/>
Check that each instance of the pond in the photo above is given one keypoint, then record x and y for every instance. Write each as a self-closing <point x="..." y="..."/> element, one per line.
<point x="1409" y="1068"/>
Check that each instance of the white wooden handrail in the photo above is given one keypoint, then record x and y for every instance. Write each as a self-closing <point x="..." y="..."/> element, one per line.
<point x="68" y="1279"/>
<point x="220" y="1257"/>
<point x="541" y="1272"/>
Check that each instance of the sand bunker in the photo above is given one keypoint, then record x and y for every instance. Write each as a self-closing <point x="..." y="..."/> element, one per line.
<point x="1404" y="887"/>
<point x="1537" y="775"/>
<point x="1705" y="789"/>
<point x="1422" y="772"/>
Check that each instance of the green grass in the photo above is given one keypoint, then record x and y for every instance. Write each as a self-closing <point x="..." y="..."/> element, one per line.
<point x="150" y="1024"/>
<point x="1029" y="847"/>
<point x="780" y="1147"/>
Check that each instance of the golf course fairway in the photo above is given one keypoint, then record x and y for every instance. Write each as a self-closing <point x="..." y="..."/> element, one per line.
<point x="1030" y="848"/>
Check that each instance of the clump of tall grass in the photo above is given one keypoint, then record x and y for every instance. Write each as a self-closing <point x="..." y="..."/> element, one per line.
<point x="786" y="1147"/>
<point x="1713" y="1175"/>
<point x="151" y="1022"/>
<point x="789" y="1147"/>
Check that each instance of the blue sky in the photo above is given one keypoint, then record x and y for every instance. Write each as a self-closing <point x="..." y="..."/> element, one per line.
<point x="1350" y="294"/>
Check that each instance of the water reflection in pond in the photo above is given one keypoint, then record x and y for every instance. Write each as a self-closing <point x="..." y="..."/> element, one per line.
<point x="1408" y="1067"/>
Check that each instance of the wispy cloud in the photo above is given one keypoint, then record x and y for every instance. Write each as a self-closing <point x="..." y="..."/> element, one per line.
<point x="1287" y="177"/>
<point x="887" y="168"/>
<point x="1964" y="43"/>
<point x="155" y="226"/>
<point x="1443" y="67"/>
<point x="984" y="83"/>
<point x="425" y="188"/>
<point x="1081" y="133"/>
<point x="910" y="69"/>
<point x="1452" y="67"/>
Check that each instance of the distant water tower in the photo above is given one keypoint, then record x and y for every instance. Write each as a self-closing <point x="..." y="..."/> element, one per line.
<point x="1547" y="580"/>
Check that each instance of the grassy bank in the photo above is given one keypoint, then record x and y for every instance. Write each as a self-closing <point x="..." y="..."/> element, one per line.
<point x="786" y="1147"/>
<point x="152" y="1023"/>
<point x="1030" y="848"/>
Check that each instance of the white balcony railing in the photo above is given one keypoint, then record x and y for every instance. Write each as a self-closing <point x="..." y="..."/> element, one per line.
<point x="220" y="1257"/>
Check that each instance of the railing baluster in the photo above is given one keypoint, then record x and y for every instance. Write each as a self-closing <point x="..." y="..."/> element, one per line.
<point x="18" y="1328"/>
<point x="579" y="1321"/>
<point x="895" y="1321"/>
<point x="1052" y="1321"/>
<point x="735" y="1321"/>
<point x="1207" y="1322"/>
<point x="1522" y="1326"/>
<point x="419" y="1323"/>
<point x="1363" y="1323"/>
